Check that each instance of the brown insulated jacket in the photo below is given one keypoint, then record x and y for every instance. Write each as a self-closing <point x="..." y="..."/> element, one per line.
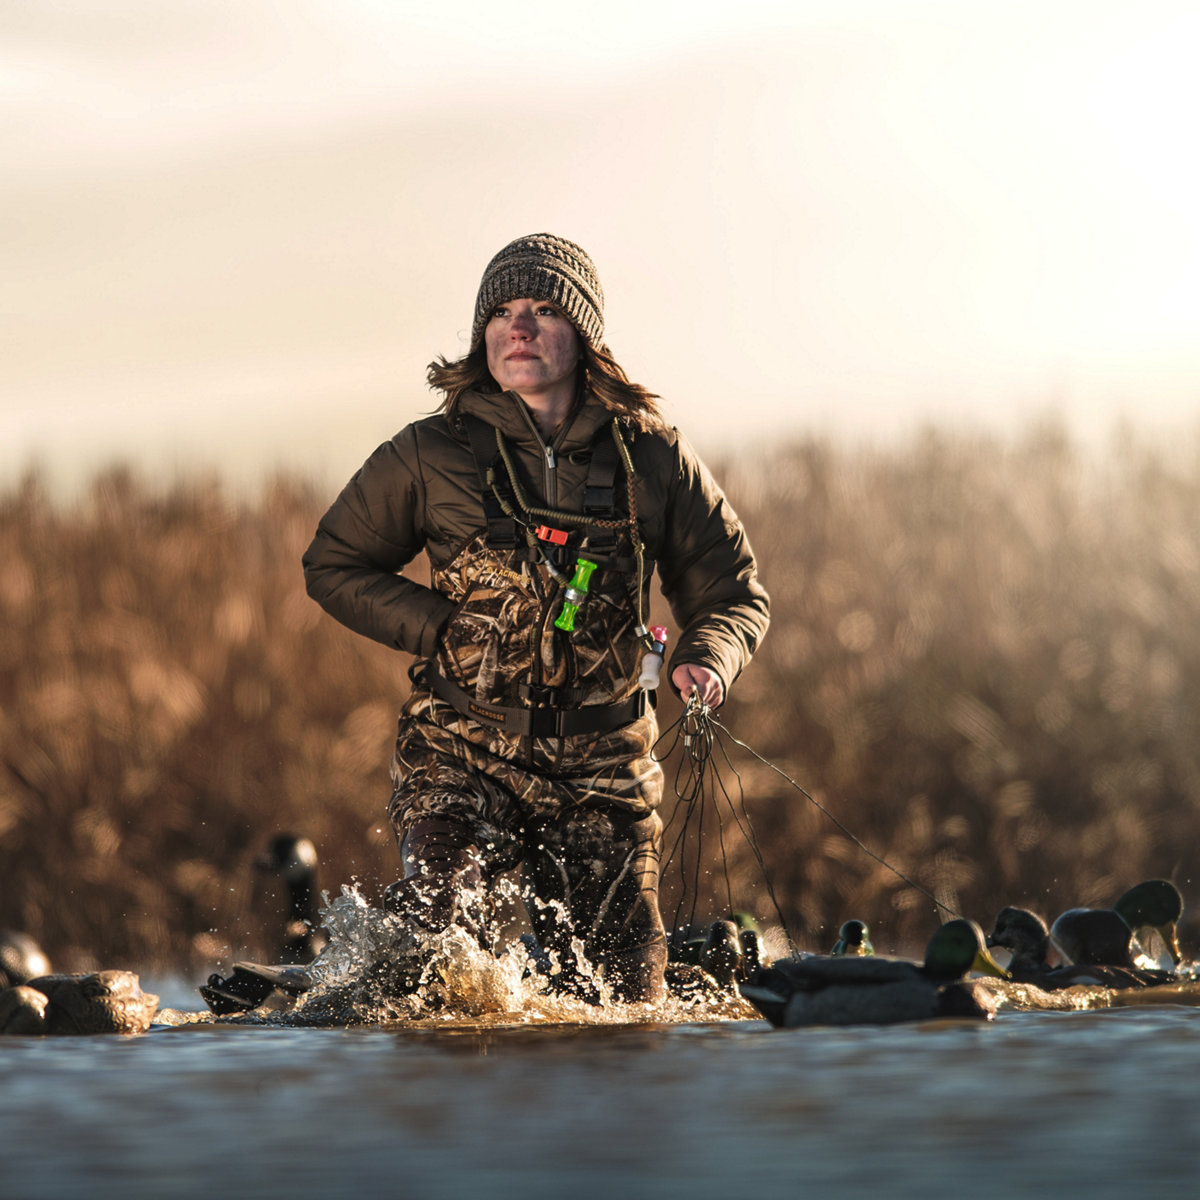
<point x="488" y="616"/>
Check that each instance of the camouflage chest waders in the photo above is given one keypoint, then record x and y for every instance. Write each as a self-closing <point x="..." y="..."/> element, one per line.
<point x="522" y="744"/>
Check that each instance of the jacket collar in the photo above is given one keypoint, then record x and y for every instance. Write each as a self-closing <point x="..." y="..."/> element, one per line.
<point x="507" y="411"/>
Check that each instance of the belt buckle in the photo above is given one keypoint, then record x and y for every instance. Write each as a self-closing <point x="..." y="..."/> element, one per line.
<point x="538" y="695"/>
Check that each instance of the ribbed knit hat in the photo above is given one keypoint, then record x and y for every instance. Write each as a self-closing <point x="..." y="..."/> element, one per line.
<point x="543" y="267"/>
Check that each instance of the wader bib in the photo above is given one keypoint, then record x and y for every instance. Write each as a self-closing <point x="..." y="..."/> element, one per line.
<point x="522" y="743"/>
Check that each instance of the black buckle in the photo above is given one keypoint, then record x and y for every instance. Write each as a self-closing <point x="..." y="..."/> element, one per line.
<point x="538" y="695"/>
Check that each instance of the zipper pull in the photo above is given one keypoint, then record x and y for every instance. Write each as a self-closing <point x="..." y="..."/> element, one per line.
<point x="550" y="459"/>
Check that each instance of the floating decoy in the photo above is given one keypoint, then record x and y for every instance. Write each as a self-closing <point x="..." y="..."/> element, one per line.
<point x="752" y="951"/>
<point x="21" y="959"/>
<point x="252" y="984"/>
<point x="1025" y="934"/>
<point x="751" y="939"/>
<point x="727" y="939"/>
<point x="294" y="860"/>
<point x="1103" y="936"/>
<point x="853" y="939"/>
<point x="1155" y="904"/>
<point x="103" y="1002"/>
<point x="706" y="967"/>
<point x="824" y="990"/>
<point x="721" y="955"/>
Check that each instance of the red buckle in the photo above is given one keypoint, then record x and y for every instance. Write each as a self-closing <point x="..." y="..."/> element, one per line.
<point x="546" y="534"/>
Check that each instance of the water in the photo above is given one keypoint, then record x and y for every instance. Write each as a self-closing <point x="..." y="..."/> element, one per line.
<point x="509" y="1092"/>
<point x="1032" y="1104"/>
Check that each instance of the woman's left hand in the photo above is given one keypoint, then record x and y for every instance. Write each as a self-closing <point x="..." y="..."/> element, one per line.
<point x="707" y="685"/>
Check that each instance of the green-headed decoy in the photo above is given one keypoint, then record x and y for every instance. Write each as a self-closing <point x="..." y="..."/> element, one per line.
<point x="853" y="939"/>
<point x="845" y="990"/>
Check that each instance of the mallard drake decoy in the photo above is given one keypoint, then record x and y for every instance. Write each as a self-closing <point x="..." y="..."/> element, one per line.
<point x="103" y="1002"/>
<point x="1104" y="936"/>
<point x="853" y="939"/>
<point x="21" y="959"/>
<point x="823" y="990"/>
<point x="294" y="860"/>
<point x="1025" y="934"/>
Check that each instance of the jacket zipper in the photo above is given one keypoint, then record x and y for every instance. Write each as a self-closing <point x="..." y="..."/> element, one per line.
<point x="550" y="477"/>
<point x="549" y="461"/>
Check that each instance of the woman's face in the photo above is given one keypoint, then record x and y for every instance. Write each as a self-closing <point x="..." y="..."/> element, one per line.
<point x="532" y="349"/>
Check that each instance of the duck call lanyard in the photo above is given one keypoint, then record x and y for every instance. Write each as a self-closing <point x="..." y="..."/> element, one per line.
<point x="508" y="508"/>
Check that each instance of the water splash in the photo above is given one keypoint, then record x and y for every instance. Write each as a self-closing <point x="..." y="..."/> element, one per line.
<point x="378" y="969"/>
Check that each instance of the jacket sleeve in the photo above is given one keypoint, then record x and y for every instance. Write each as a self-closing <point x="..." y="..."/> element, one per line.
<point x="372" y="531"/>
<point x="708" y="573"/>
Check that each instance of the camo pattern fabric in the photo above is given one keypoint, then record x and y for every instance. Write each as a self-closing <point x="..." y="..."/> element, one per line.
<point x="502" y="635"/>
<point x="596" y="865"/>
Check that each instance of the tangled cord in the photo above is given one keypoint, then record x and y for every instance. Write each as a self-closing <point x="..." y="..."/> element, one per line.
<point x="697" y="732"/>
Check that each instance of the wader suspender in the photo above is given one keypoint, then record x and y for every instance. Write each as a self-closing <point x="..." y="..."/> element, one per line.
<point x="502" y="529"/>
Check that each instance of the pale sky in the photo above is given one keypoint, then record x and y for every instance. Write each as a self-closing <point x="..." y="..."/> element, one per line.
<point x="234" y="232"/>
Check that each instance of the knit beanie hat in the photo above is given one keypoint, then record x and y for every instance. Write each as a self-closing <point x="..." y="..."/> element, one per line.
<point x="543" y="267"/>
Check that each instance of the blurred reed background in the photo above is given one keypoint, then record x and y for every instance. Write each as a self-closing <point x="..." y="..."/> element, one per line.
<point x="984" y="659"/>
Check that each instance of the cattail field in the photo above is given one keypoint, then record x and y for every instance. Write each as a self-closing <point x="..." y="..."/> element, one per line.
<point x="984" y="663"/>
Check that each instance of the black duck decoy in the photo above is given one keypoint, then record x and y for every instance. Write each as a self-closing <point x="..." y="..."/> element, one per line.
<point x="1104" y="936"/>
<point x="1025" y="934"/>
<point x="721" y="955"/>
<point x="294" y="860"/>
<point x="845" y="990"/>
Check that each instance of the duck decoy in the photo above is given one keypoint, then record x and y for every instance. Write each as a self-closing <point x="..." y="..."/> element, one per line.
<point x="21" y="959"/>
<point x="1025" y="934"/>
<point x="252" y="984"/>
<point x="1093" y="936"/>
<point x="1105" y="936"/>
<point x="853" y="939"/>
<point x="1155" y="904"/>
<point x="753" y="955"/>
<point x="102" y="1002"/>
<point x="721" y="955"/>
<point x="824" y="990"/>
<point x="751" y="938"/>
<point x="294" y="860"/>
<point x="705" y="967"/>
<point x="730" y="938"/>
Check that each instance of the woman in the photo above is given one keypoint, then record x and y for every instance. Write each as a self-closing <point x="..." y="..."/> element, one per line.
<point x="545" y="491"/>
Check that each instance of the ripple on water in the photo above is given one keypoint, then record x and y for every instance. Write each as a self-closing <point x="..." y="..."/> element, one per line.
<point x="525" y="1097"/>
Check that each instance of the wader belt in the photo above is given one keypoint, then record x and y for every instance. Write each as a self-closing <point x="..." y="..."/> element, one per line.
<point x="537" y="722"/>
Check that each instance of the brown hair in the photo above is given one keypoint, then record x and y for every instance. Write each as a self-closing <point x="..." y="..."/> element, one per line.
<point x="602" y="375"/>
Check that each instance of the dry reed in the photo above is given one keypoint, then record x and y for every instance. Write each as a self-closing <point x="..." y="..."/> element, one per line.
<point x="984" y="660"/>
